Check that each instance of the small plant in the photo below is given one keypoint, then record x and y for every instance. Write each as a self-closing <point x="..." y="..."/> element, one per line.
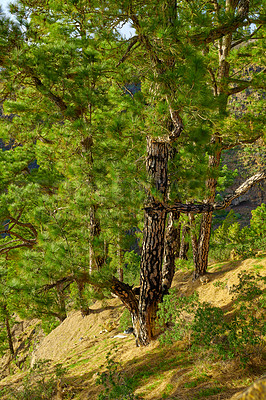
<point x="117" y="386"/>
<point x="203" y="393"/>
<point x="220" y="284"/>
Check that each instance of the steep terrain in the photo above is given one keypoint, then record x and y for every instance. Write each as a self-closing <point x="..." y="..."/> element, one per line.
<point x="80" y="345"/>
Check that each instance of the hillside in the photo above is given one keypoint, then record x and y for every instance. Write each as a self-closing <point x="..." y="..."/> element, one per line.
<point x="80" y="345"/>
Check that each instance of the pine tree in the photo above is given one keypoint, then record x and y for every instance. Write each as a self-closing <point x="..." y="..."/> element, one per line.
<point x="182" y="54"/>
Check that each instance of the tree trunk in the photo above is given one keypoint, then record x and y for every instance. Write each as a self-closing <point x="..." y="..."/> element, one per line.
<point x="153" y="241"/>
<point x="201" y="245"/>
<point x="84" y="309"/>
<point x="171" y="251"/>
<point x="119" y="259"/>
<point x="8" y="331"/>
<point x="184" y="245"/>
<point x="61" y="301"/>
<point x="96" y="260"/>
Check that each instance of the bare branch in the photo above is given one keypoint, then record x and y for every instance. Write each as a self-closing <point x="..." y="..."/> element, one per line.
<point x="242" y="189"/>
<point x="209" y="207"/>
<point x="6" y="247"/>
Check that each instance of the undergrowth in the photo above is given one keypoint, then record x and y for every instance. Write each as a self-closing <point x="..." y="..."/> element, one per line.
<point x="117" y="386"/>
<point x="38" y="384"/>
<point x="206" y="327"/>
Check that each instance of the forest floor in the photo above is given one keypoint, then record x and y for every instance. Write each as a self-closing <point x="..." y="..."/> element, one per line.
<point x="79" y="346"/>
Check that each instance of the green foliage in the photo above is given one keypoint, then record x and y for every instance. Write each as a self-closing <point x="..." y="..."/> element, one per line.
<point x="244" y="242"/>
<point x="116" y="385"/>
<point x="132" y="267"/>
<point x="226" y="178"/>
<point x="177" y="312"/>
<point x="207" y="327"/>
<point x="258" y="221"/>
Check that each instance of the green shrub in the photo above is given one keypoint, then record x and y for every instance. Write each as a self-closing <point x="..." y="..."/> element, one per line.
<point x="206" y="326"/>
<point x="245" y="242"/>
<point x="176" y="313"/>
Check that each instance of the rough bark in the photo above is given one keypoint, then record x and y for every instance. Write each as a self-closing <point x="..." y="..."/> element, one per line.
<point x="153" y="241"/>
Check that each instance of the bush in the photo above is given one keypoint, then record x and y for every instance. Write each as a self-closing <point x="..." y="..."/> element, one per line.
<point x="207" y="327"/>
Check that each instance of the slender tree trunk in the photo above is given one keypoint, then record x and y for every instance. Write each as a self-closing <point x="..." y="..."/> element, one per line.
<point x="96" y="259"/>
<point x="171" y="251"/>
<point x="61" y="301"/>
<point x="201" y="246"/>
<point x="8" y="331"/>
<point x="194" y="239"/>
<point x="85" y="310"/>
<point x="120" y="259"/>
<point x="184" y="245"/>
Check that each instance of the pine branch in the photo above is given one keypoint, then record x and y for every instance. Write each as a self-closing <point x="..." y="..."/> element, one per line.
<point x="66" y="279"/>
<point x="244" y="85"/>
<point x="223" y="30"/>
<point x="46" y="91"/>
<point x="6" y="247"/>
<point x="238" y="89"/>
<point x="24" y="225"/>
<point x="244" y="40"/>
<point x="134" y="40"/>
<point x="121" y="289"/>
